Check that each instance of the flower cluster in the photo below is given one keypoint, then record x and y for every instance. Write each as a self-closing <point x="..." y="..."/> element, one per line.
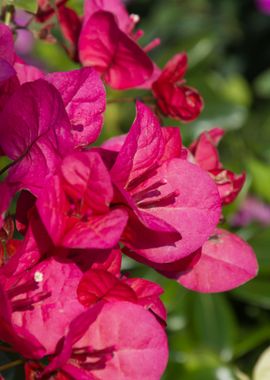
<point x="66" y="307"/>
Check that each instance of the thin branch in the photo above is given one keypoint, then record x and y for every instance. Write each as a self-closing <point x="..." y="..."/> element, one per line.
<point x="15" y="363"/>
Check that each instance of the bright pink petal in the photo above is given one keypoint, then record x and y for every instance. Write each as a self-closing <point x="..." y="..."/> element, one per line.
<point x="83" y="95"/>
<point x="76" y="214"/>
<point x="115" y="143"/>
<point x="229" y="184"/>
<point x="34" y="245"/>
<point x="143" y="224"/>
<point x="87" y="179"/>
<point x="121" y="62"/>
<point x="194" y="213"/>
<point x="179" y="102"/>
<point x="6" y="44"/>
<point x="148" y="294"/>
<point x="116" y="7"/>
<point x="226" y="262"/>
<point x="204" y="149"/>
<point x="143" y="147"/>
<point x="52" y="207"/>
<point x="35" y="132"/>
<point x="147" y="85"/>
<point x="173" y="143"/>
<point x="175" y="69"/>
<point x="99" y="232"/>
<point x="48" y="320"/>
<point x="98" y="284"/>
<point x="145" y="234"/>
<point x="27" y="73"/>
<point x="70" y="24"/>
<point x="146" y="344"/>
<point x="174" y="98"/>
<point x="19" y="338"/>
<point x="111" y="264"/>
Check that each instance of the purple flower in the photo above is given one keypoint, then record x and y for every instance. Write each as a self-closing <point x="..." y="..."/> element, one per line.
<point x="252" y="210"/>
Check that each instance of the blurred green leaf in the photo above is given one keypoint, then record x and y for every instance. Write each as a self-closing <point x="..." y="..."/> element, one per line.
<point x="251" y="341"/>
<point x="261" y="244"/>
<point x="220" y="113"/>
<point x="213" y="323"/>
<point x="53" y="56"/>
<point x="262" y="84"/>
<point x="236" y="89"/>
<point x="77" y="5"/>
<point x="201" y="50"/>
<point x="209" y="373"/>
<point x="27" y="5"/>
<point x="256" y="292"/>
<point x="260" y="173"/>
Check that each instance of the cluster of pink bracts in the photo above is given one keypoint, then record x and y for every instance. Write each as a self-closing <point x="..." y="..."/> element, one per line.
<point x="79" y="208"/>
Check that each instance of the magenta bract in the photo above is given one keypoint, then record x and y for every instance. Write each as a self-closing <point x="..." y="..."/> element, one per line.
<point x="98" y="284"/>
<point x="35" y="133"/>
<point x="75" y="209"/>
<point x="110" y="345"/>
<point x="6" y="71"/>
<point x="53" y="299"/>
<point x="174" y="98"/>
<point x="104" y="46"/>
<point x="6" y="44"/>
<point x="206" y="156"/>
<point x="166" y="193"/>
<point x="116" y="7"/>
<point x="83" y="95"/>
<point x="225" y="262"/>
<point x="27" y="73"/>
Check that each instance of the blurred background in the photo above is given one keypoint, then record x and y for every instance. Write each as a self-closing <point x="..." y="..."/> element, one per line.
<point x="212" y="337"/>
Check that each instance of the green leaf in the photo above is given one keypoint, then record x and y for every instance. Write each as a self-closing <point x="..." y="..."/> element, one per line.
<point x="251" y="339"/>
<point x="77" y="5"/>
<point x="261" y="243"/>
<point x="53" y="56"/>
<point x="208" y="373"/>
<point x="256" y="292"/>
<point x="236" y="89"/>
<point x="262" y="84"/>
<point x="27" y="5"/>
<point x="213" y="323"/>
<point x="260" y="172"/>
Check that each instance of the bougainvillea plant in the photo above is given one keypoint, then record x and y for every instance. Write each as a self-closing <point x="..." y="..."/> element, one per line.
<point x="67" y="309"/>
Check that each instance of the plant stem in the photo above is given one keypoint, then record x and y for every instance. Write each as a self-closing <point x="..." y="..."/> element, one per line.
<point x="8" y="12"/>
<point x="4" y="367"/>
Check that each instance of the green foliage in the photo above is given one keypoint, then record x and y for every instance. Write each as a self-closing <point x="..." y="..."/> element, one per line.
<point x="260" y="173"/>
<point x="27" y="5"/>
